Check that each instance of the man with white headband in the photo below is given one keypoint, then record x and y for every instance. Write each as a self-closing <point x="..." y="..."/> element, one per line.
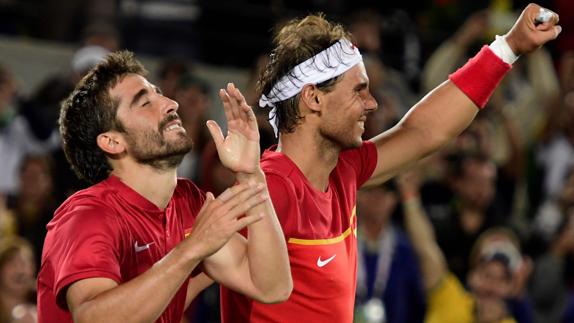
<point x="318" y="91"/>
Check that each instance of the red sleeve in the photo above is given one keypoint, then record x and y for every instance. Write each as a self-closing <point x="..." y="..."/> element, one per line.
<point x="88" y="245"/>
<point x="363" y="160"/>
<point x="285" y="201"/>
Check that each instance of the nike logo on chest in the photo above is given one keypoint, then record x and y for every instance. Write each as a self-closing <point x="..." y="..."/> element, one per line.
<point x="140" y="248"/>
<point x="323" y="263"/>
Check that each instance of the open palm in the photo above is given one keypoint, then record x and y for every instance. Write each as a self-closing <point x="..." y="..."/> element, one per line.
<point x="239" y="150"/>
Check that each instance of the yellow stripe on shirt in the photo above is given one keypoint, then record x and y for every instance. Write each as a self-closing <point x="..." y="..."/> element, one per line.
<point x="329" y="240"/>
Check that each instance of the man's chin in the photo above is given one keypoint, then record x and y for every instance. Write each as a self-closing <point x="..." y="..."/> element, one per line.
<point x="169" y="159"/>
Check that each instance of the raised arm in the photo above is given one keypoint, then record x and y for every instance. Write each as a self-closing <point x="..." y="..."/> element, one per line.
<point x="259" y="265"/>
<point x="448" y="109"/>
<point x="432" y="262"/>
<point x="145" y="297"/>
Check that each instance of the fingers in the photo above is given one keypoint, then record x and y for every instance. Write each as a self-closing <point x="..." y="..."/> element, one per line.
<point x="240" y="198"/>
<point x="215" y="132"/>
<point x="544" y="15"/>
<point x="248" y="220"/>
<point x="534" y="27"/>
<point x="235" y="104"/>
<point x="240" y="107"/>
<point x="226" y="104"/>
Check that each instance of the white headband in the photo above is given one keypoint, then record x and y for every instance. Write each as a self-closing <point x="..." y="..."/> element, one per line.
<point x="329" y="63"/>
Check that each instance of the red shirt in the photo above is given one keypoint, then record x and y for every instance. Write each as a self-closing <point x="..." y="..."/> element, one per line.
<point x="110" y="231"/>
<point x="320" y="229"/>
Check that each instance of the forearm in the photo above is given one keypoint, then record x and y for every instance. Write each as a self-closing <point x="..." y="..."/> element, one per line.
<point x="195" y="286"/>
<point x="142" y="299"/>
<point x="267" y="257"/>
<point x="431" y="260"/>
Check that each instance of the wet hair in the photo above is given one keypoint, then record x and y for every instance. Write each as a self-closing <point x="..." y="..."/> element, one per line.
<point x="297" y="41"/>
<point x="90" y="111"/>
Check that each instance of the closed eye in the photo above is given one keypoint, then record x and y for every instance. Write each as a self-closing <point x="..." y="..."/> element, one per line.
<point x="360" y="87"/>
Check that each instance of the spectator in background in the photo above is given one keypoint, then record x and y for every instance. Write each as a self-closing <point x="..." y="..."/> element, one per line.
<point x="366" y="27"/>
<point x="554" y="156"/>
<point x="35" y="204"/>
<point x="17" y="281"/>
<point x="101" y="34"/>
<point x="169" y="73"/>
<point x="193" y="96"/>
<point x="214" y="176"/>
<point x="388" y="279"/>
<point x="552" y="283"/>
<point x="471" y="210"/>
<point x="497" y="271"/>
<point x="17" y="138"/>
<point x="7" y="221"/>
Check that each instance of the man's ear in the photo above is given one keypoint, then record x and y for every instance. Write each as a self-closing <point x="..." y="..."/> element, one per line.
<point x="111" y="143"/>
<point x="312" y="97"/>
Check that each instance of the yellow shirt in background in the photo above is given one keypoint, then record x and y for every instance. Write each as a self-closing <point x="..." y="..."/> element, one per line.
<point x="449" y="302"/>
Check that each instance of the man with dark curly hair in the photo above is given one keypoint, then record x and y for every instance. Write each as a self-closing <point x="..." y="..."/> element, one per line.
<point x="139" y="244"/>
<point x="318" y="91"/>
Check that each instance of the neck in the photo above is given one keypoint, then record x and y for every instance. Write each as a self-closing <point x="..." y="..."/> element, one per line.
<point x="372" y="228"/>
<point x="314" y="155"/>
<point x="471" y="220"/>
<point x="155" y="185"/>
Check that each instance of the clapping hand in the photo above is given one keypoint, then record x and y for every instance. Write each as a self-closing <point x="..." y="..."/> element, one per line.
<point x="239" y="150"/>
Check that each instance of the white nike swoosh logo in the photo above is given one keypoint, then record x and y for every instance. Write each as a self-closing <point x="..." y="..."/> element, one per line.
<point x="322" y="263"/>
<point x="141" y="248"/>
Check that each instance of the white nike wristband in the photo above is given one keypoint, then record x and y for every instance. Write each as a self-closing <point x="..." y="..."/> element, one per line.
<point x="501" y="48"/>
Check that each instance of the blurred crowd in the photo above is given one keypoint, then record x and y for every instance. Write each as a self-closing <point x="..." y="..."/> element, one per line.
<point x="489" y="220"/>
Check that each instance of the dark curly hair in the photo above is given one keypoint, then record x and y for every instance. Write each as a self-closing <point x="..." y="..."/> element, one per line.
<point x="295" y="42"/>
<point x="90" y="111"/>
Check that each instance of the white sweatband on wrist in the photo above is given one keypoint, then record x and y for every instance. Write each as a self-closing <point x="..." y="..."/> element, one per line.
<point x="327" y="64"/>
<point x="501" y="48"/>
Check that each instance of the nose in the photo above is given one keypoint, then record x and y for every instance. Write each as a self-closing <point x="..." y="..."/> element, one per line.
<point x="370" y="102"/>
<point x="169" y="105"/>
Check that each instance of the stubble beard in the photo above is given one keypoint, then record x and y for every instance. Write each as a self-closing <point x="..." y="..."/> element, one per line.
<point x="340" y="138"/>
<point x="151" y="148"/>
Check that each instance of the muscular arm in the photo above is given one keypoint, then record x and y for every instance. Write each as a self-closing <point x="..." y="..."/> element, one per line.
<point x="145" y="297"/>
<point x="141" y="299"/>
<point x="262" y="272"/>
<point x="259" y="265"/>
<point x="446" y="111"/>
<point x="440" y="116"/>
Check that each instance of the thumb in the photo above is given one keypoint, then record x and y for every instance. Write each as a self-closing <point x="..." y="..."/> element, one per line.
<point x="557" y="30"/>
<point x="215" y="132"/>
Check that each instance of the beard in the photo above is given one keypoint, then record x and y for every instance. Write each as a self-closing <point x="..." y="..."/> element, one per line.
<point x="151" y="148"/>
<point x="340" y="137"/>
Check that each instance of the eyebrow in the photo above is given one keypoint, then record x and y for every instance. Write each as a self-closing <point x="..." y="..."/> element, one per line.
<point x="138" y="96"/>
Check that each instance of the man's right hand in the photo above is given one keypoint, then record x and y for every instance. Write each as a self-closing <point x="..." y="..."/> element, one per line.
<point x="526" y="35"/>
<point x="219" y="218"/>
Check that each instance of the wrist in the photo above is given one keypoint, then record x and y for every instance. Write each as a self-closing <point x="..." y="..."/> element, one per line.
<point x="408" y="196"/>
<point x="501" y="47"/>
<point x="478" y="78"/>
<point x="255" y="177"/>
